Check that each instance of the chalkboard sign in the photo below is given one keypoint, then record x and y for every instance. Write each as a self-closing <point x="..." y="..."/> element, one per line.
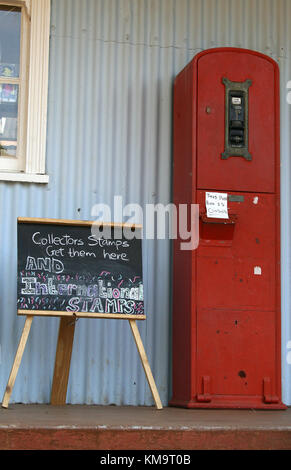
<point x="68" y="268"/>
<point x="64" y="268"/>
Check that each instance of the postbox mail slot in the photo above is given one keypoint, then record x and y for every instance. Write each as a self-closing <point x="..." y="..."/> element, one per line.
<point x="216" y="232"/>
<point x="211" y="220"/>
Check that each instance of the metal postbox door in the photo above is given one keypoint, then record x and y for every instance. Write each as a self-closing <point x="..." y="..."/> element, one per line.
<point x="235" y="173"/>
<point x="236" y="298"/>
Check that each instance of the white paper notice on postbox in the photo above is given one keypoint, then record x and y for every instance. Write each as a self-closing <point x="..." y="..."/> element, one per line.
<point x="216" y="205"/>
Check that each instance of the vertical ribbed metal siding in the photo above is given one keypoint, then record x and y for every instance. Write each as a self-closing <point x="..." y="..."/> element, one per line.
<point x="112" y="65"/>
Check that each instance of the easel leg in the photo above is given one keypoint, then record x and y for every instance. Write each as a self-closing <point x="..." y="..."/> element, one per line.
<point x="17" y="361"/>
<point x="145" y="364"/>
<point x="62" y="361"/>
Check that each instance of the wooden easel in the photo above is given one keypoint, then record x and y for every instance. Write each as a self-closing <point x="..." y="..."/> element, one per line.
<point x="64" y="352"/>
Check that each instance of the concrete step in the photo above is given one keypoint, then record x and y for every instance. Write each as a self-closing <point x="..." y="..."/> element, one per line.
<point x="89" y="427"/>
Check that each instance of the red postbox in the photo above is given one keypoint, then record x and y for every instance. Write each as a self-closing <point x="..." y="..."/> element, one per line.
<point x="226" y="293"/>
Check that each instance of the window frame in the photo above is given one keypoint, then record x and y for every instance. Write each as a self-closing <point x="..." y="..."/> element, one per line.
<point x="32" y="112"/>
<point x="18" y="163"/>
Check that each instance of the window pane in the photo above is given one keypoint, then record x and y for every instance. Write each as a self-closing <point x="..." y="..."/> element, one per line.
<point x="8" y="119"/>
<point x="10" y="24"/>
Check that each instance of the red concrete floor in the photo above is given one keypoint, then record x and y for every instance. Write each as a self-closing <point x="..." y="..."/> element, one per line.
<point x="82" y="427"/>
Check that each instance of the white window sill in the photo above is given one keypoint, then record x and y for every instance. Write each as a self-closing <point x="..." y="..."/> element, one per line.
<point x="24" y="177"/>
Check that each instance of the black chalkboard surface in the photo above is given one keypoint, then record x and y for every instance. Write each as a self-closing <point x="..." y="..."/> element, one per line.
<point x="65" y="268"/>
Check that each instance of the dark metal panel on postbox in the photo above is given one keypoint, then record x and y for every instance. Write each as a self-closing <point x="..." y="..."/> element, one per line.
<point x="226" y="292"/>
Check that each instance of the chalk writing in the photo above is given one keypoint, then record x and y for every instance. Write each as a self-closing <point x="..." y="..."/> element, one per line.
<point x="68" y="269"/>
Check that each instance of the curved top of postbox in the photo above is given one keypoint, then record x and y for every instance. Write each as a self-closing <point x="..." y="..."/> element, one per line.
<point x="239" y="50"/>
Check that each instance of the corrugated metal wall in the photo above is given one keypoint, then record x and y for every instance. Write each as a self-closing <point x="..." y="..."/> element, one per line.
<point x="112" y="65"/>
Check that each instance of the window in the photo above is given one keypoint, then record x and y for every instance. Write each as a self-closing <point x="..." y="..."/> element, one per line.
<point x="24" y="52"/>
<point x="12" y="87"/>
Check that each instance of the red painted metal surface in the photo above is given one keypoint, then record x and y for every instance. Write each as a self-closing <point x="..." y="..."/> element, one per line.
<point x="226" y="293"/>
